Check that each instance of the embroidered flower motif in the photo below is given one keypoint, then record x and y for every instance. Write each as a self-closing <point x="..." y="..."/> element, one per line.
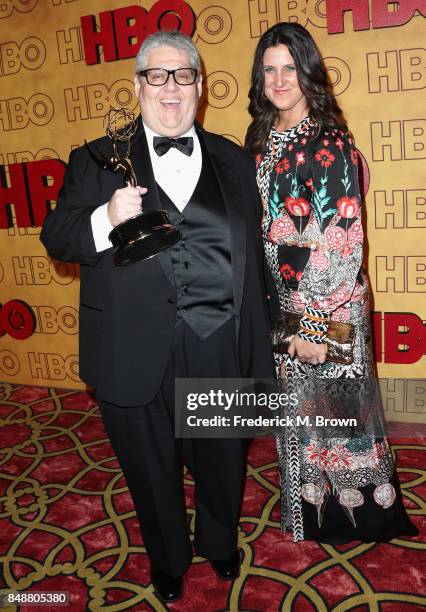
<point x="318" y="456"/>
<point x="290" y="147"/>
<point x="312" y="493"/>
<point x="299" y="207"/>
<point x="304" y="140"/>
<point x="348" y="207"/>
<point x="258" y="159"/>
<point x="351" y="498"/>
<point x="282" y="166"/>
<point x="340" y="457"/>
<point x="325" y="157"/>
<point x="300" y="158"/>
<point x="378" y="453"/>
<point x="339" y="144"/>
<point x="324" y="458"/>
<point x="299" y="276"/>
<point x="314" y="454"/>
<point x="325" y="142"/>
<point x="370" y="459"/>
<point x="310" y="184"/>
<point x="320" y="260"/>
<point x="286" y="271"/>
<point x="384" y="495"/>
<point x="347" y="250"/>
<point x="354" y="157"/>
<point x="341" y="296"/>
<point x="281" y="228"/>
<point x="335" y="236"/>
<point x="355" y="233"/>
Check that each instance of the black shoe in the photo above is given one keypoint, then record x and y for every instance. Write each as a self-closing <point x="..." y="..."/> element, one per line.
<point x="167" y="588"/>
<point x="227" y="569"/>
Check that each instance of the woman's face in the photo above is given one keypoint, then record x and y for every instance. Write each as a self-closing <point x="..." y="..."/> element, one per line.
<point x="281" y="82"/>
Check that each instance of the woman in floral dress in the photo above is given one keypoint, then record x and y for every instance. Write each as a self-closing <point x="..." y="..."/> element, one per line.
<point x="341" y="488"/>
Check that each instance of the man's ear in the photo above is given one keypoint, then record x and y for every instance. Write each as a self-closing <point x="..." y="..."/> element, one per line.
<point x="137" y="83"/>
<point x="200" y="86"/>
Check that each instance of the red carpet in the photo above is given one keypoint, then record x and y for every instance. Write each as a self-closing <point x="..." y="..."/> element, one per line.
<point x="67" y="524"/>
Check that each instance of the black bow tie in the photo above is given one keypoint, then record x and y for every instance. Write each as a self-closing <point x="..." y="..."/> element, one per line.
<point x="162" y="144"/>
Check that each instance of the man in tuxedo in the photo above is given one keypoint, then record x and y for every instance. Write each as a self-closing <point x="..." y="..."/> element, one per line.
<point x="196" y="310"/>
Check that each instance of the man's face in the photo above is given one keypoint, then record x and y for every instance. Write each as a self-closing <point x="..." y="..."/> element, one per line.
<point x="169" y="109"/>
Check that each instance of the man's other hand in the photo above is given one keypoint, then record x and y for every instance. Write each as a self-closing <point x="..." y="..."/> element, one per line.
<point x="125" y="203"/>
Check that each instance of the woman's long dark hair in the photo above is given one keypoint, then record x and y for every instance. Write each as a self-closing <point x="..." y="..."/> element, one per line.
<point x="313" y="82"/>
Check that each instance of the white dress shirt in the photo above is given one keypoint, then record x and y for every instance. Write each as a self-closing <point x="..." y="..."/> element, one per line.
<point x="176" y="173"/>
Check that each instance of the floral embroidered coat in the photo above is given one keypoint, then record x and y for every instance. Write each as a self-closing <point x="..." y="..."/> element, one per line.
<point x="313" y="239"/>
<point x="313" y="230"/>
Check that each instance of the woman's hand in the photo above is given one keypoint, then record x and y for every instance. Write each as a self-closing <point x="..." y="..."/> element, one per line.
<point x="307" y="351"/>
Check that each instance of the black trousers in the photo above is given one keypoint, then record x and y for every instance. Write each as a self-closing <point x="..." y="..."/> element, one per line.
<point x="151" y="459"/>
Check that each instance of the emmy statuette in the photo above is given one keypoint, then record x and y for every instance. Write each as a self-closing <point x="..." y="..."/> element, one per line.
<point x="148" y="233"/>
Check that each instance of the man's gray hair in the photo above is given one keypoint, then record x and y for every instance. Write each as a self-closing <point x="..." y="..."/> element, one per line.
<point x="172" y="38"/>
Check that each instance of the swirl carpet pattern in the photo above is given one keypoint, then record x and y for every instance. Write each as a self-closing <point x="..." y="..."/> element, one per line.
<point x="67" y="524"/>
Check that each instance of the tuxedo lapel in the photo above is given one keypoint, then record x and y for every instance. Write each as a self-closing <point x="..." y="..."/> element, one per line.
<point x="230" y="187"/>
<point x="141" y="162"/>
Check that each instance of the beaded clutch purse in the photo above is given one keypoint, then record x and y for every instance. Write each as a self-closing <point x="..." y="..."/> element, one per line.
<point x="340" y="337"/>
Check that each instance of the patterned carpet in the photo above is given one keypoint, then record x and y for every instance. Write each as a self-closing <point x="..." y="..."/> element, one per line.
<point x="67" y="524"/>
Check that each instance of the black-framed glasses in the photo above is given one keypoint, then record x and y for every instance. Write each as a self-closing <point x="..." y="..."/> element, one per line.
<point x="160" y="76"/>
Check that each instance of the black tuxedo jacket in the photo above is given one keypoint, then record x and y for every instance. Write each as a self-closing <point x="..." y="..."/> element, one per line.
<point x="128" y="314"/>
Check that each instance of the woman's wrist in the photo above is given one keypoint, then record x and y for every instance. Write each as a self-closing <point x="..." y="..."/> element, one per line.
<point x="314" y="325"/>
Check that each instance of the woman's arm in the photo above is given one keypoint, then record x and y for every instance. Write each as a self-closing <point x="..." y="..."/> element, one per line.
<point x="329" y="277"/>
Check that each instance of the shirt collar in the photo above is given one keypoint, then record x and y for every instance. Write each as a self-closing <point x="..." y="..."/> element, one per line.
<point x="150" y="134"/>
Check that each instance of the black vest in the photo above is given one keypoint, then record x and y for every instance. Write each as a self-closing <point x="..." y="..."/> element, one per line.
<point x="201" y="261"/>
